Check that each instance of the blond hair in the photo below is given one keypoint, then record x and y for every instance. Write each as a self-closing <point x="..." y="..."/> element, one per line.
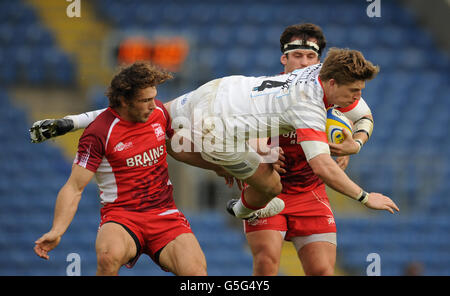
<point x="347" y="66"/>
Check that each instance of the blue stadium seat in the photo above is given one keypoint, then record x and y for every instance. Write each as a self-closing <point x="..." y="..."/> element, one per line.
<point x="362" y="36"/>
<point x="248" y="36"/>
<point x="336" y="36"/>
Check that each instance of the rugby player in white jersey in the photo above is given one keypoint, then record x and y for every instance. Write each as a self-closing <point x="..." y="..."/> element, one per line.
<point x="222" y="115"/>
<point x="226" y="112"/>
<point x="307" y="219"/>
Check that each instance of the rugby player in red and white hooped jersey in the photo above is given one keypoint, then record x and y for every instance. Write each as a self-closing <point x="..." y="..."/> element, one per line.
<point x="307" y="219"/>
<point x="124" y="149"/>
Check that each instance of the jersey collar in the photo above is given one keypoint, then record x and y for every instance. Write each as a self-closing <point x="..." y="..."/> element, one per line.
<point x="325" y="101"/>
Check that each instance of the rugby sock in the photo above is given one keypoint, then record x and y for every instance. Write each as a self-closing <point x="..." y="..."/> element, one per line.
<point x="242" y="209"/>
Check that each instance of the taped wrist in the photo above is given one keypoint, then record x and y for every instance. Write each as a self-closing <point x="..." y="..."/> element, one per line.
<point x="363" y="125"/>
<point x="363" y="197"/>
<point x="360" y="143"/>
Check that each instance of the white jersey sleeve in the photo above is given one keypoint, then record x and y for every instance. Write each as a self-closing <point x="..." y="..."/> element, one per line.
<point x="357" y="110"/>
<point x="308" y="117"/>
<point x="83" y="120"/>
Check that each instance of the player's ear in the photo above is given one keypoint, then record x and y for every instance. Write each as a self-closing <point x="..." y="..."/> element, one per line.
<point x="123" y="102"/>
<point x="332" y="82"/>
<point x="283" y="59"/>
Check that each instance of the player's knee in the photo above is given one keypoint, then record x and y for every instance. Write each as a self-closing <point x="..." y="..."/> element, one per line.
<point x="108" y="263"/>
<point x="193" y="269"/>
<point x="266" y="260"/>
<point x="274" y="188"/>
<point x="320" y="270"/>
<point x="199" y="270"/>
<point x="265" y="265"/>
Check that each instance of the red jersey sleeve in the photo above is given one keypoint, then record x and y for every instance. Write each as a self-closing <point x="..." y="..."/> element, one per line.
<point x="168" y="127"/>
<point x="92" y="143"/>
<point x="90" y="152"/>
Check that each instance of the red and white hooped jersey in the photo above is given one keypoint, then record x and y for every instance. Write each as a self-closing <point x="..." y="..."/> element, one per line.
<point x="299" y="176"/>
<point x="129" y="160"/>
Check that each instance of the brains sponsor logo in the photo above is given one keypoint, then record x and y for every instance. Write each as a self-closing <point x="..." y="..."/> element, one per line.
<point x="146" y="158"/>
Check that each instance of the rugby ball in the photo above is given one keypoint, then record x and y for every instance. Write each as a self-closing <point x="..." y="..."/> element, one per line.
<point x="336" y="121"/>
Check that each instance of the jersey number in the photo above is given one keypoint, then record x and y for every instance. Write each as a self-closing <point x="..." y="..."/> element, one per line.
<point x="268" y="84"/>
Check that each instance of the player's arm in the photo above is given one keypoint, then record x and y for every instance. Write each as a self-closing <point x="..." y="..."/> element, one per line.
<point x="189" y="156"/>
<point x="273" y="155"/>
<point x="361" y="116"/>
<point x="319" y="159"/>
<point x="45" y="129"/>
<point x="65" y="208"/>
<point x="185" y="152"/>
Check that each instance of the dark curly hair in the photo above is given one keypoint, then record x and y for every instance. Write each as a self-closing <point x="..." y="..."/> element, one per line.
<point x="303" y="32"/>
<point x="133" y="78"/>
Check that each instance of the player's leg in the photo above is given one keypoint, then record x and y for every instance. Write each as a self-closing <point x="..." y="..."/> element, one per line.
<point x="259" y="197"/>
<point x="266" y="248"/>
<point x="115" y="247"/>
<point x="317" y="253"/>
<point x="183" y="256"/>
<point x="264" y="184"/>
<point x="312" y="229"/>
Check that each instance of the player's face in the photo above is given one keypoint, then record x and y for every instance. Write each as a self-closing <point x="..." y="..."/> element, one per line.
<point x="344" y="95"/>
<point x="299" y="58"/>
<point x="143" y="105"/>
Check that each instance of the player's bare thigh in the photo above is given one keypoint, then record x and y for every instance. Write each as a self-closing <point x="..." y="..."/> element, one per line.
<point x="183" y="256"/>
<point x="318" y="258"/>
<point x="265" y="246"/>
<point x="114" y="246"/>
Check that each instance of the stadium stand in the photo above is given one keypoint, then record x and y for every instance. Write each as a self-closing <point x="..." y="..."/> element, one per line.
<point x="28" y="51"/>
<point x="407" y="157"/>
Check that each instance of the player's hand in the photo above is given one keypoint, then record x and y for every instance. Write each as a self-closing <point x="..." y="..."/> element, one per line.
<point x="347" y="147"/>
<point x="46" y="243"/>
<point x="43" y="130"/>
<point x="279" y="165"/>
<point x="229" y="179"/>
<point x="343" y="161"/>
<point x="378" y="201"/>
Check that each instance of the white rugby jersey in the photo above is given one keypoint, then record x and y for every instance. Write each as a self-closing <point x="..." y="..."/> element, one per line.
<point x="273" y="105"/>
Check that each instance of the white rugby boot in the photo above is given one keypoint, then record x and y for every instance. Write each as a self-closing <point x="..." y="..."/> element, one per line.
<point x="274" y="207"/>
